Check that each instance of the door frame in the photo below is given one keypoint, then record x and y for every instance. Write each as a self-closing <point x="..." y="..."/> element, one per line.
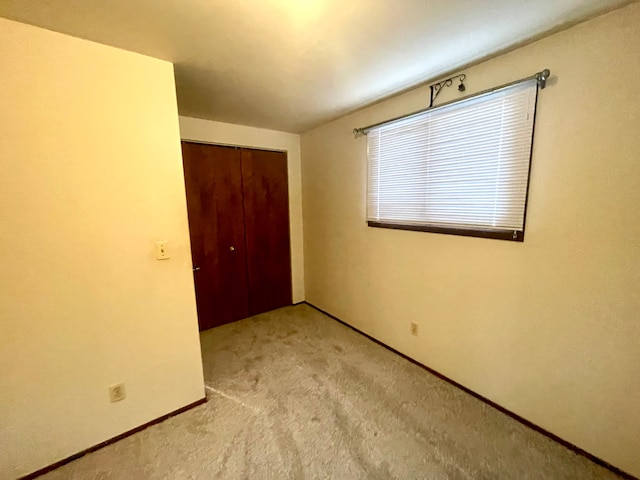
<point x="230" y="145"/>
<point x="199" y="130"/>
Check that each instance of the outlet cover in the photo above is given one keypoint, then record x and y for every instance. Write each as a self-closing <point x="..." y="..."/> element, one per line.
<point x="414" y="328"/>
<point x="117" y="393"/>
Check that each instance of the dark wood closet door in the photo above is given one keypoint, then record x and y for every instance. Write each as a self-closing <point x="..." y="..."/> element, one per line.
<point x="266" y="211"/>
<point x="213" y="180"/>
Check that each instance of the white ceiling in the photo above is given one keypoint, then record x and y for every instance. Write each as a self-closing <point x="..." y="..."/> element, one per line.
<point x="293" y="64"/>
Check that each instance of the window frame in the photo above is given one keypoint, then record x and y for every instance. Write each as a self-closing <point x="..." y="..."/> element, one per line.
<point x="480" y="232"/>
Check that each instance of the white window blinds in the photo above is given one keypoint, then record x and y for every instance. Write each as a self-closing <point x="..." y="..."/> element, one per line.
<point x="460" y="166"/>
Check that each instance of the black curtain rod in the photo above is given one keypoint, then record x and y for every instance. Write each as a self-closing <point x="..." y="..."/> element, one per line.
<point x="540" y="77"/>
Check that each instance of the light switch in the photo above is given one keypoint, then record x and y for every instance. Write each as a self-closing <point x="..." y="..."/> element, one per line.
<point x="162" y="252"/>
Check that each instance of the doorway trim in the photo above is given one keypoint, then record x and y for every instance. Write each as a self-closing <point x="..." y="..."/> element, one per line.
<point x="219" y="133"/>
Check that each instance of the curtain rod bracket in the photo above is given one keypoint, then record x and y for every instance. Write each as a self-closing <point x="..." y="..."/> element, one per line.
<point x="437" y="87"/>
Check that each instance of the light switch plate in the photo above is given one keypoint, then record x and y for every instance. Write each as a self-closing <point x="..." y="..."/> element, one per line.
<point x="162" y="251"/>
<point x="117" y="393"/>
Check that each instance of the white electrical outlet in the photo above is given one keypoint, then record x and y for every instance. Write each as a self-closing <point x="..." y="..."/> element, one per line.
<point x="162" y="250"/>
<point x="117" y="393"/>
<point x="414" y="328"/>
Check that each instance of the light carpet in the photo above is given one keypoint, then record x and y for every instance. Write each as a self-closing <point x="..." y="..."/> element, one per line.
<point x="294" y="394"/>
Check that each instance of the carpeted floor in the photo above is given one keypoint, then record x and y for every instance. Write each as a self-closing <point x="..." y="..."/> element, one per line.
<point x="294" y="394"/>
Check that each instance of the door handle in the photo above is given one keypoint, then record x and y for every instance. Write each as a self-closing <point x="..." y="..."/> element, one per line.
<point x="196" y="269"/>
<point x="232" y="248"/>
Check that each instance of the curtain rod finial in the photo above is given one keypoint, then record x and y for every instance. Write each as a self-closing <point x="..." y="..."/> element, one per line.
<point x="542" y="77"/>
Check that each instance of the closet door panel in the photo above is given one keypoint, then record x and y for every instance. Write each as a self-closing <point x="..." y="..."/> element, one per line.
<point x="266" y="213"/>
<point x="213" y="180"/>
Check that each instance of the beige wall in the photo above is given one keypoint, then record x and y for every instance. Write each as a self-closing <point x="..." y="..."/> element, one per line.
<point x="198" y="130"/>
<point x="548" y="328"/>
<point x="91" y="177"/>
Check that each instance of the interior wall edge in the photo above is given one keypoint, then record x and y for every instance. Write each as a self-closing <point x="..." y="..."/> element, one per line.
<point x="500" y="408"/>
<point x="117" y="438"/>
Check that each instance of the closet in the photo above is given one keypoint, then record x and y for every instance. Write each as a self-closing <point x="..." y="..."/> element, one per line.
<point x="238" y="206"/>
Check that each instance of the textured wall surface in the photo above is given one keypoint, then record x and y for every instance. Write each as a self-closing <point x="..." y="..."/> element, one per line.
<point x="547" y="328"/>
<point x="91" y="177"/>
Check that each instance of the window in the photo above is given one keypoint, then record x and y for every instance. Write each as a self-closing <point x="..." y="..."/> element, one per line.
<point x="461" y="168"/>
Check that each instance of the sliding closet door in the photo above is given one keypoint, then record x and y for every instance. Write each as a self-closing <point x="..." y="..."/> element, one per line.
<point x="266" y="211"/>
<point x="213" y="180"/>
